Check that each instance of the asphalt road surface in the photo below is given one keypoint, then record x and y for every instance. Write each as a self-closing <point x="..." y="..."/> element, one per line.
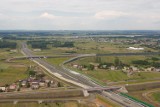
<point x="79" y="79"/>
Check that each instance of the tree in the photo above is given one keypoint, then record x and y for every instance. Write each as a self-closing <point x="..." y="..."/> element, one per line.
<point x="155" y="59"/>
<point x="91" y="67"/>
<point x="60" y="84"/>
<point x="98" y="59"/>
<point x="6" y="85"/>
<point x="1" y="70"/>
<point x="141" y="62"/>
<point x="68" y="44"/>
<point x="7" y="44"/>
<point x="156" y="64"/>
<point x="32" y="73"/>
<point x="116" y="61"/>
<point x="39" y="76"/>
<point x="28" y="85"/>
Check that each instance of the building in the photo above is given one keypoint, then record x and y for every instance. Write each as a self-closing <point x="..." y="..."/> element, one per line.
<point x="3" y="88"/>
<point x="54" y="84"/>
<point x="24" y="83"/>
<point x="12" y="87"/>
<point x="133" y="48"/>
<point x="113" y="68"/>
<point x="37" y="50"/>
<point x="157" y="70"/>
<point x="42" y="83"/>
<point x="75" y="66"/>
<point x="104" y="66"/>
<point x="35" y="84"/>
<point x="134" y="69"/>
<point x="96" y="65"/>
<point x="14" y="50"/>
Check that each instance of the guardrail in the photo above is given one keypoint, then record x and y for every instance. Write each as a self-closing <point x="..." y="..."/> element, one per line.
<point x="130" y="54"/>
<point x="136" y="100"/>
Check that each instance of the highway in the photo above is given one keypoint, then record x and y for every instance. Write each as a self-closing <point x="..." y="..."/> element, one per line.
<point x="74" y="78"/>
<point x="79" y="80"/>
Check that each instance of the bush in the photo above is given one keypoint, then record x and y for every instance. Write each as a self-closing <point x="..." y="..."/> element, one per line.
<point x="70" y="52"/>
<point x="156" y="64"/>
<point x="90" y="67"/>
<point x="32" y="73"/>
<point x="140" y="62"/>
<point x="155" y="59"/>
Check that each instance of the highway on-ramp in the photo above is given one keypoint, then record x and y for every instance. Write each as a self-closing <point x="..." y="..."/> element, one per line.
<point x="78" y="79"/>
<point x="74" y="78"/>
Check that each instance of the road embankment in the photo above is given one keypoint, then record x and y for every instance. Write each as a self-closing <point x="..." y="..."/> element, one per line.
<point x="43" y="95"/>
<point x="143" y="86"/>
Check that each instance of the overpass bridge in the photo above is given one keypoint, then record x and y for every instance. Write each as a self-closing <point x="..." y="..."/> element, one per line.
<point x="34" y="57"/>
<point x="77" y="56"/>
<point x="95" y="89"/>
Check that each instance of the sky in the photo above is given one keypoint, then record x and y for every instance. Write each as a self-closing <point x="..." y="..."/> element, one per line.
<point x="80" y="15"/>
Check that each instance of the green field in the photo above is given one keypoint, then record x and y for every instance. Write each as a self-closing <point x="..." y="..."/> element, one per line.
<point x="26" y="62"/>
<point x="156" y="96"/>
<point x="11" y="73"/>
<point x="110" y="59"/>
<point x="117" y="76"/>
<point x="153" y="96"/>
<point x="5" y="53"/>
<point x="95" y="47"/>
<point x="56" y="61"/>
<point x="107" y="75"/>
<point x="84" y="46"/>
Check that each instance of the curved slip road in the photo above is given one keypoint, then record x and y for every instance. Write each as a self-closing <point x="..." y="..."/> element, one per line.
<point x="79" y="80"/>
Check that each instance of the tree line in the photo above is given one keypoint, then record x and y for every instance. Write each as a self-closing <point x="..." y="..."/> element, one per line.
<point x="152" y="62"/>
<point x="44" y="44"/>
<point x="7" y="44"/>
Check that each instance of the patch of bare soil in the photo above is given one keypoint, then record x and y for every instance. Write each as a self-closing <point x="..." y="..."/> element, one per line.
<point x="100" y="103"/>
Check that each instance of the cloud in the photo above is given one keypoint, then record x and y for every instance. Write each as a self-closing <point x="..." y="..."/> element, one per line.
<point x="109" y="14"/>
<point x="80" y="14"/>
<point x="47" y="16"/>
<point x="4" y="17"/>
